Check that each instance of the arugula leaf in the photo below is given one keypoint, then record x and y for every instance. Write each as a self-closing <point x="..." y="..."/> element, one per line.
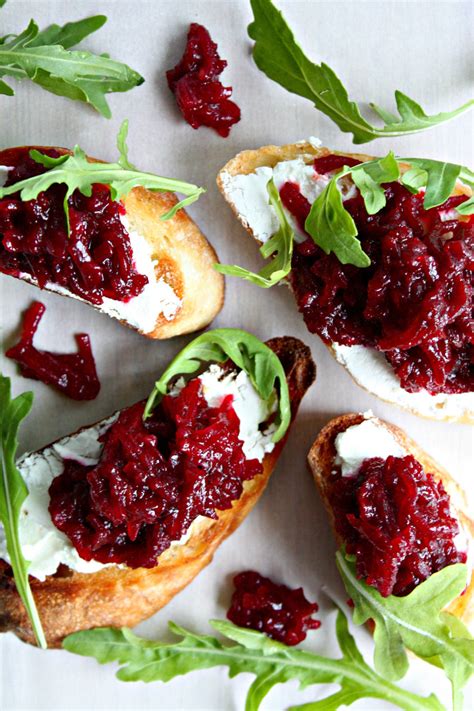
<point x="69" y="34"/>
<point x="280" y="244"/>
<point x="416" y="622"/>
<point x="78" y="173"/>
<point x="45" y="58"/>
<point x="333" y="228"/>
<point x="439" y="179"/>
<point x="278" y="55"/>
<point x="270" y="662"/>
<point x="13" y="492"/>
<point x="260" y="363"/>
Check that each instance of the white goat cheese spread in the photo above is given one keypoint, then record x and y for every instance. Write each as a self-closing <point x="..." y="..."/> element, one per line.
<point x="364" y="441"/>
<point x="371" y="439"/>
<point x="372" y="371"/>
<point x="249" y="194"/>
<point x="142" y="311"/>
<point x="47" y="547"/>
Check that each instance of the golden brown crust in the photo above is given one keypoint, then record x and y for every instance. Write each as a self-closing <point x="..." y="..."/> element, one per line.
<point x="321" y="462"/>
<point x="248" y="161"/>
<point x="70" y="601"/>
<point x="185" y="260"/>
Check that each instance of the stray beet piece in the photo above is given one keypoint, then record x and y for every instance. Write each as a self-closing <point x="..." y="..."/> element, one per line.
<point x="397" y="521"/>
<point x="277" y="610"/>
<point x="194" y="81"/>
<point x="74" y="374"/>
<point x="153" y="479"/>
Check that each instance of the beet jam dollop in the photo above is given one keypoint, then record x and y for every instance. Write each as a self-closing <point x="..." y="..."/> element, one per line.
<point x="73" y="374"/>
<point x="278" y="611"/>
<point x="413" y="303"/>
<point x="154" y="478"/>
<point x="397" y="521"/>
<point x="194" y="81"/>
<point x="93" y="262"/>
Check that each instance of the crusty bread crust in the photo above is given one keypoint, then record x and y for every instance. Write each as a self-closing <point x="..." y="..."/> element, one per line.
<point x="185" y="260"/>
<point x="321" y="462"/>
<point x="248" y="161"/>
<point x="69" y="601"/>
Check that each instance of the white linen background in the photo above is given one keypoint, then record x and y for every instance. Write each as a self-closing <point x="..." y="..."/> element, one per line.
<point x="422" y="48"/>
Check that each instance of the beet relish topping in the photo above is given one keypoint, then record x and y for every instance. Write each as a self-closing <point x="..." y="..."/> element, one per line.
<point x="194" y="81"/>
<point x="397" y="521"/>
<point x="93" y="262"/>
<point x="154" y="478"/>
<point x="73" y="374"/>
<point x="414" y="302"/>
<point x="278" y="611"/>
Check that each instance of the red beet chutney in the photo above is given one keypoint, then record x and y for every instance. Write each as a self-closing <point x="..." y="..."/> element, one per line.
<point x="93" y="262"/>
<point x="194" y="81"/>
<point x="74" y="374"/>
<point x="282" y="613"/>
<point x="397" y="521"/>
<point x="154" y="478"/>
<point x="414" y="302"/>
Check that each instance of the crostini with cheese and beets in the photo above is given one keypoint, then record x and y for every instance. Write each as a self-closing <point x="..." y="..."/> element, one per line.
<point x="378" y="254"/>
<point x="123" y="514"/>
<point x="108" y="235"/>
<point x="405" y="536"/>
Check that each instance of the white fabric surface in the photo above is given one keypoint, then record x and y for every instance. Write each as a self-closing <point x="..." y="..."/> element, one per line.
<point x="422" y="48"/>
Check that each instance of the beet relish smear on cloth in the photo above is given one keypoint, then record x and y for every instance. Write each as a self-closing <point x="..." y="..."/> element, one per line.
<point x="94" y="261"/>
<point x="396" y="519"/>
<point x="153" y="479"/>
<point x="73" y="374"/>
<point x="194" y="81"/>
<point x="413" y="303"/>
<point x="277" y="610"/>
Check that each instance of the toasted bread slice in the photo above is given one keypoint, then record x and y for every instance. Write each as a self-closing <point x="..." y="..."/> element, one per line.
<point x="69" y="601"/>
<point x="182" y="256"/>
<point x="450" y="408"/>
<point x="321" y="462"/>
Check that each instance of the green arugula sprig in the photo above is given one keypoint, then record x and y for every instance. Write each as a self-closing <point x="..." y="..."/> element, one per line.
<point x="281" y="244"/>
<point x="261" y="364"/>
<point x="278" y="55"/>
<point x="332" y="227"/>
<point x="415" y="622"/>
<point x="78" y="173"/>
<point x="45" y="58"/>
<point x="13" y="492"/>
<point x="270" y="662"/>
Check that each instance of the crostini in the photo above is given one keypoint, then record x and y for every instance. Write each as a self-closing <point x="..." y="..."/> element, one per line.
<point x="118" y="255"/>
<point x="400" y="322"/>
<point x="392" y="506"/>
<point x="123" y="514"/>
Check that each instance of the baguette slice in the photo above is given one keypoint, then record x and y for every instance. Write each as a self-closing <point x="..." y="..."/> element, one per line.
<point x="184" y="260"/>
<point x="369" y="369"/>
<point x="321" y="462"/>
<point x="69" y="601"/>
